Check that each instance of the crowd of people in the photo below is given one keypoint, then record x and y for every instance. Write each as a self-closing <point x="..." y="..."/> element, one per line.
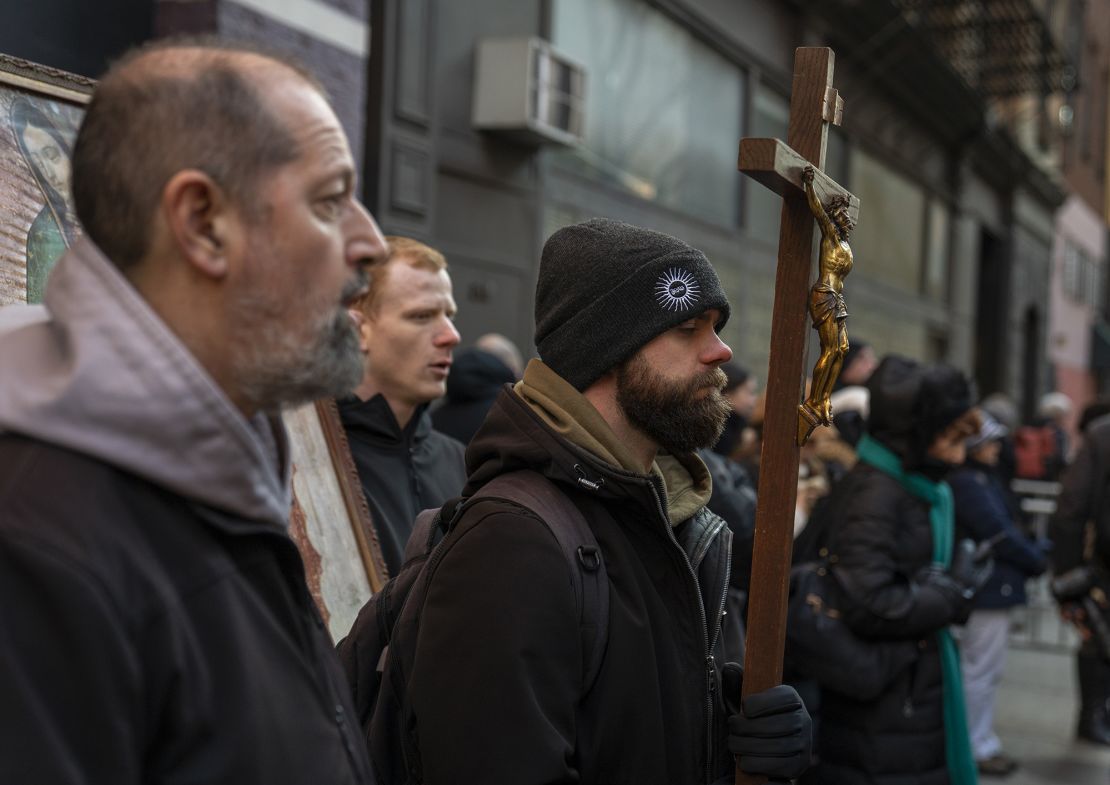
<point x="156" y="624"/>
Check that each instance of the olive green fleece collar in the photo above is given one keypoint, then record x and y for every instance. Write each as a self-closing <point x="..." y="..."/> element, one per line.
<point x="688" y="484"/>
<point x="570" y="414"/>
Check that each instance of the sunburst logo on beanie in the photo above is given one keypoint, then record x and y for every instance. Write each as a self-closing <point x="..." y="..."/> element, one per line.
<point x="677" y="290"/>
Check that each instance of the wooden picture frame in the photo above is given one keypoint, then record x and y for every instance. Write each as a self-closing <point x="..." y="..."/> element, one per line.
<point x="40" y="111"/>
<point x="330" y="518"/>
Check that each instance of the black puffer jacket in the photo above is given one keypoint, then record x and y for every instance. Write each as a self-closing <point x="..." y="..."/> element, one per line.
<point x="496" y="686"/>
<point x="475" y="381"/>
<point x="880" y="540"/>
<point x="403" y="471"/>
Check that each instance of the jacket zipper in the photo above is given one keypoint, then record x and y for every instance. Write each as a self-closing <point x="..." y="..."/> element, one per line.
<point x="293" y="576"/>
<point x="414" y="480"/>
<point x="711" y="674"/>
<point x="721" y="606"/>
<point x="329" y="686"/>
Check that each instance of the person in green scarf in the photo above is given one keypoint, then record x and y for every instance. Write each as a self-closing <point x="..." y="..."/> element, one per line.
<point x="891" y="549"/>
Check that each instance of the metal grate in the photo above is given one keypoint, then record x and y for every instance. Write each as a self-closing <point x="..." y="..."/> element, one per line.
<point x="1000" y="48"/>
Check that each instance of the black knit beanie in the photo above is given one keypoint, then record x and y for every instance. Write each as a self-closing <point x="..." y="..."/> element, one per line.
<point x="911" y="404"/>
<point x="606" y="288"/>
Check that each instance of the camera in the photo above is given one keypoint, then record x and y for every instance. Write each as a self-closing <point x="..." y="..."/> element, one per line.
<point x="1084" y="587"/>
<point x="1074" y="584"/>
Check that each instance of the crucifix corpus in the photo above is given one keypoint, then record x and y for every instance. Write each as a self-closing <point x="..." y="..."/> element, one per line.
<point x="793" y="170"/>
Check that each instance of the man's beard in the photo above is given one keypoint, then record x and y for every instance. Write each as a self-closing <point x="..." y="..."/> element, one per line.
<point x="277" y="368"/>
<point x="670" y="412"/>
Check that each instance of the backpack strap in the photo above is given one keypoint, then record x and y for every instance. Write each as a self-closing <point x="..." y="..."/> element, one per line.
<point x="424" y="531"/>
<point x="537" y="493"/>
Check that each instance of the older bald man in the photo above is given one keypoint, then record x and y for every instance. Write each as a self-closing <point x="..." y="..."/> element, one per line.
<point x="155" y="625"/>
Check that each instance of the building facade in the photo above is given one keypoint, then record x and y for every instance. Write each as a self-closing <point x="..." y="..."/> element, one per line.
<point x="1079" y="340"/>
<point x="956" y="239"/>
<point x="954" y="243"/>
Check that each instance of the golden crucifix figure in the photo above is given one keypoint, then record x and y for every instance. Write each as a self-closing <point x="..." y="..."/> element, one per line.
<point x="826" y="305"/>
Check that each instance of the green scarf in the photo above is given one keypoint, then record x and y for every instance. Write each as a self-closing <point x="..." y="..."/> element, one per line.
<point x="957" y="741"/>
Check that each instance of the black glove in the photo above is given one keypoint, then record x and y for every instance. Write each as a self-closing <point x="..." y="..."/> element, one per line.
<point x="970" y="570"/>
<point x="961" y="581"/>
<point x="770" y="732"/>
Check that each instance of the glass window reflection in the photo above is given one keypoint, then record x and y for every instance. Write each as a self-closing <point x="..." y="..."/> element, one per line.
<point x="663" y="110"/>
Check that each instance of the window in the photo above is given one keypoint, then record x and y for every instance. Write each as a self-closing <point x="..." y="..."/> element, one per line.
<point x="1082" y="276"/>
<point x="836" y="156"/>
<point x="889" y="238"/>
<point x="663" y="110"/>
<point x="557" y="91"/>
<point x="770" y="118"/>
<point x="1091" y="284"/>
<point x="1071" y="271"/>
<point x="935" y="284"/>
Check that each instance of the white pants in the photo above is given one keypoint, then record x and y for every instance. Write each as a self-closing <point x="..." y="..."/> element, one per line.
<point x="982" y="658"/>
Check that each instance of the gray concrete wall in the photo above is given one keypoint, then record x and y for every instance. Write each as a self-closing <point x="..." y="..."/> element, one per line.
<point x="488" y="209"/>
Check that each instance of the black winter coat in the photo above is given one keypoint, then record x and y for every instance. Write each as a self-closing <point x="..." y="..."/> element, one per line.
<point x="879" y="540"/>
<point x="475" y="381"/>
<point x="1085" y="496"/>
<point x="144" y="639"/>
<point x="497" y="683"/>
<point x="402" y="471"/>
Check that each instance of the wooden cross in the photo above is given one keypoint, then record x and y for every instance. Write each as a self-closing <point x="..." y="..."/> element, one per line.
<point x="813" y="105"/>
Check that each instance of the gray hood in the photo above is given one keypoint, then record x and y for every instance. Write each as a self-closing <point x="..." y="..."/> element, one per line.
<point x="98" y="372"/>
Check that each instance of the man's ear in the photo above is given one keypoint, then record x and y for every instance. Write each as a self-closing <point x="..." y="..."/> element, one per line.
<point x="362" y="327"/>
<point x="202" y="221"/>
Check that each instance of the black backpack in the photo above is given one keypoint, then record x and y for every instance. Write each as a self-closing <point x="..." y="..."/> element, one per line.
<point x="366" y="653"/>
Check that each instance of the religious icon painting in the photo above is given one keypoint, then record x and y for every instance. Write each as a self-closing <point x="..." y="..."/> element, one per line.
<point x="40" y="110"/>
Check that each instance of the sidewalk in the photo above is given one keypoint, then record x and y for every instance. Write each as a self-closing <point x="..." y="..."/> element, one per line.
<point x="1035" y="718"/>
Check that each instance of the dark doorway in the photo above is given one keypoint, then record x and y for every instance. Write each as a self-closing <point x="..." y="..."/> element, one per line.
<point x="991" y="314"/>
<point x="1030" y="361"/>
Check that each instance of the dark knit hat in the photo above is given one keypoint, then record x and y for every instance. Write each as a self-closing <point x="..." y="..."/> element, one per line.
<point x="912" y="403"/>
<point x="606" y="288"/>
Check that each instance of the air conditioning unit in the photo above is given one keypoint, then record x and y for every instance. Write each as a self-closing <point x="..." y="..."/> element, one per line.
<point x="526" y="90"/>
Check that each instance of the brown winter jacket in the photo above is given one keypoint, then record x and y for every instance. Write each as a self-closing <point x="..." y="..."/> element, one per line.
<point x="1084" y="496"/>
<point x="497" y="683"/>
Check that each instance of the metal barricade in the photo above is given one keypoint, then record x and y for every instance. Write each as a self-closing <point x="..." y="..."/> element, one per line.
<point x="1037" y="625"/>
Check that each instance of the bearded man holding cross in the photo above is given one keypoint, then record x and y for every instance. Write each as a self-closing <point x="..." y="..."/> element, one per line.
<point x="793" y="171"/>
<point x="498" y="685"/>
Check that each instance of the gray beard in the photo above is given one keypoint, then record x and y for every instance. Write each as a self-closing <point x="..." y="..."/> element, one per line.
<point x="669" y="413"/>
<point x="275" y="369"/>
